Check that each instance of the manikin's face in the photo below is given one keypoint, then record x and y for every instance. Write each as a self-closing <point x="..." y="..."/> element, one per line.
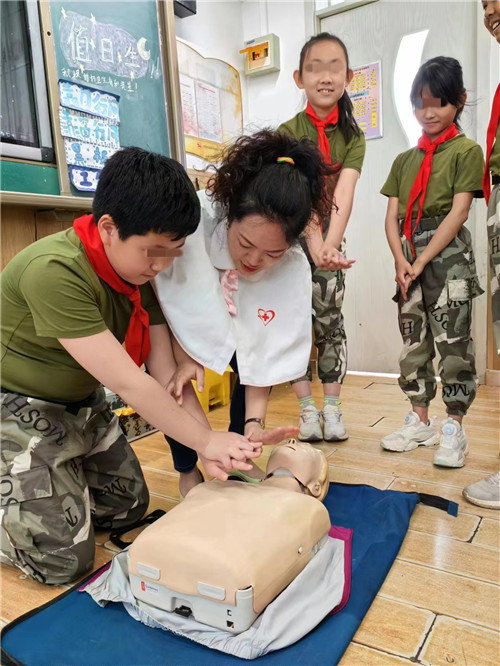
<point x="307" y="464"/>
<point x="138" y="259"/>
<point x="432" y="116"/>
<point x="492" y="17"/>
<point x="324" y="76"/>
<point x="254" y="244"/>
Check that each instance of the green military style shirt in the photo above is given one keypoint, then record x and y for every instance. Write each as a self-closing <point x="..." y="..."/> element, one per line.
<point x="457" y="166"/>
<point x="494" y="164"/>
<point x="350" y="154"/>
<point x="50" y="291"/>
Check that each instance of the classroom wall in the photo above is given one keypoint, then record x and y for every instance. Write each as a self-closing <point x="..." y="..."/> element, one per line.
<point x="216" y="31"/>
<point x="220" y="30"/>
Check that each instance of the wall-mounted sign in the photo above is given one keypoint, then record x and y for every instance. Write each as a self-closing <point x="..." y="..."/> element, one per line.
<point x="365" y="93"/>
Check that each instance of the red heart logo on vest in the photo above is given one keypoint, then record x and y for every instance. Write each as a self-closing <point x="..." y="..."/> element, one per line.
<point x="266" y="316"/>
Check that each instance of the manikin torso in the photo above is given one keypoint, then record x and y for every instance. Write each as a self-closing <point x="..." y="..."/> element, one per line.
<point x="228" y="537"/>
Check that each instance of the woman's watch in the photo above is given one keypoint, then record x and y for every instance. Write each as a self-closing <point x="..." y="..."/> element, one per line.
<point x="255" y="419"/>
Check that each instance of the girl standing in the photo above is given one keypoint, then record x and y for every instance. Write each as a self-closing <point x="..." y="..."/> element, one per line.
<point x="328" y="120"/>
<point x="430" y="190"/>
<point x="248" y="279"/>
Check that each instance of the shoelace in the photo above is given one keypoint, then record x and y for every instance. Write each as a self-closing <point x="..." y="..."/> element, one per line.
<point x="332" y="415"/>
<point x="493" y="480"/>
<point x="309" y="415"/>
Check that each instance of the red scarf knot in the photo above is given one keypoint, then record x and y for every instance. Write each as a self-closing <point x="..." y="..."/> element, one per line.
<point x="137" y="340"/>
<point x="331" y="119"/>
<point x="419" y="187"/>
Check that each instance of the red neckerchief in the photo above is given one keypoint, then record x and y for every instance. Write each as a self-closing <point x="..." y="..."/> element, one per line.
<point x="490" y="139"/>
<point x="137" y="340"/>
<point x="331" y="119"/>
<point x="419" y="187"/>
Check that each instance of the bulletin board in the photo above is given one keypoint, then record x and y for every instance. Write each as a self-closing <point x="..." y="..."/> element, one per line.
<point x="365" y="93"/>
<point x="110" y="83"/>
<point x="211" y="102"/>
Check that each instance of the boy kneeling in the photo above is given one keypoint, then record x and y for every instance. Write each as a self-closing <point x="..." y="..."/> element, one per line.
<point x="69" y="301"/>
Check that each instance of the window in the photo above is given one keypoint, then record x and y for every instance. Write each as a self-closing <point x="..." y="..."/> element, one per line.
<point x="325" y="8"/>
<point x="24" y="121"/>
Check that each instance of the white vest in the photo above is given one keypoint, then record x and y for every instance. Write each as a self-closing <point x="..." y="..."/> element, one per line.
<point x="271" y="332"/>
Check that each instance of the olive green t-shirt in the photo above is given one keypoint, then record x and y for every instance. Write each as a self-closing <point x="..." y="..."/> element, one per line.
<point x="350" y="154"/>
<point x="50" y="291"/>
<point x="494" y="164"/>
<point x="457" y="166"/>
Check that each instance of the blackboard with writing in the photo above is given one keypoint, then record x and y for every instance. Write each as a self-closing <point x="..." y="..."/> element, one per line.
<point x="114" y="47"/>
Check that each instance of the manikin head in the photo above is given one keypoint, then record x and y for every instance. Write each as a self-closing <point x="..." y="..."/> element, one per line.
<point x="303" y="462"/>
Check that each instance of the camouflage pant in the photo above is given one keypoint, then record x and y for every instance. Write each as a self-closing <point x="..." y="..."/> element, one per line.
<point x="494" y="248"/>
<point x="63" y="468"/>
<point x="328" y="290"/>
<point x="438" y="315"/>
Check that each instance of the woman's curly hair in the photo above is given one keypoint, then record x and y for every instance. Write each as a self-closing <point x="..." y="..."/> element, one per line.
<point x="250" y="181"/>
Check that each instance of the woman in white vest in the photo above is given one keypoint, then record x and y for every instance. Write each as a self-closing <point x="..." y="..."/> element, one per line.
<point x="241" y="292"/>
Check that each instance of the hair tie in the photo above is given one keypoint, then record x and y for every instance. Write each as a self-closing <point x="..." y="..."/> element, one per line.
<point x="285" y="159"/>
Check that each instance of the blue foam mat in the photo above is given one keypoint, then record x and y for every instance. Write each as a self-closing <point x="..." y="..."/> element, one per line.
<point x="73" y="630"/>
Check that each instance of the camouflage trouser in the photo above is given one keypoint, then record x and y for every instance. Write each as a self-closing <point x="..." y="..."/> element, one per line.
<point x="494" y="250"/>
<point x="438" y="314"/>
<point x="63" y="468"/>
<point x="329" y="335"/>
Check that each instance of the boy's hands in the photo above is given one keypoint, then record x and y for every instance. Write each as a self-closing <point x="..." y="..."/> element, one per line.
<point x="225" y="451"/>
<point x="184" y="373"/>
<point x="405" y="275"/>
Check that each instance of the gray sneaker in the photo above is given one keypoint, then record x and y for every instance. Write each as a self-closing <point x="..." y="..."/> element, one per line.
<point x="333" y="428"/>
<point x="310" y="425"/>
<point x="452" y="445"/>
<point x="485" y="492"/>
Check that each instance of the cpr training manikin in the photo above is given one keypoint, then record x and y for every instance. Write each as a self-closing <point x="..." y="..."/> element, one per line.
<point x="234" y="565"/>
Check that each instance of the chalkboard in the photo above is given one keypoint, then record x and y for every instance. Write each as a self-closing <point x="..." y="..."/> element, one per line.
<point x="114" y="47"/>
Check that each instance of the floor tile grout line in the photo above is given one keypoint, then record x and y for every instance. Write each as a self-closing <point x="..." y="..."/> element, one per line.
<point x="410" y="660"/>
<point x="447" y="571"/>
<point x="422" y="645"/>
<point x="452" y="538"/>
<point x="480" y="625"/>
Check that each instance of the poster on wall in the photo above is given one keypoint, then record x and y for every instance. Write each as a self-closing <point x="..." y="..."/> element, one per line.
<point x="365" y="93"/>
<point x="188" y="100"/>
<point x="211" y="105"/>
<point x="89" y="121"/>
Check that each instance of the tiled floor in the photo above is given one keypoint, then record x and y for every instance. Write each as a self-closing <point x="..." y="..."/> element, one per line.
<point x="440" y="603"/>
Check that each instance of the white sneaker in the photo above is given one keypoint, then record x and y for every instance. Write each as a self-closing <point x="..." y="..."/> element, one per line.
<point x="414" y="433"/>
<point x="452" y="445"/>
<point x="485" y="492"/>
<point x="333" y="428"/>
<point x="310" y="425"/>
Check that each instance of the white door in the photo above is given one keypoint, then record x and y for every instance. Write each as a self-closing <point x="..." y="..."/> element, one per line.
<point x="373" y="33"/>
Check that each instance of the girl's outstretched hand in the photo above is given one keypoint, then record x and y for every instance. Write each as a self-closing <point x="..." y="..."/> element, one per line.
<point x="331" y="259"/>
<point x="274" y="436"/>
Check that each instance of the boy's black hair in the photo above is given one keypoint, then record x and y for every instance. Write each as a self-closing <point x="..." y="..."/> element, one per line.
<point x="145" y="192"/>
<point x="444" y="78"/>
<point x="347" y="123"/>
<point x="250" y="181"/>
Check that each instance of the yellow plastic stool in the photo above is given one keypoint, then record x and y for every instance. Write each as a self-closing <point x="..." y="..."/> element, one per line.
<point x="217" y="389"/>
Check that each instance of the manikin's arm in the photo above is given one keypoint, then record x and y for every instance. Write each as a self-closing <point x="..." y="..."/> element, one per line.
<point x="105" y="358"/>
